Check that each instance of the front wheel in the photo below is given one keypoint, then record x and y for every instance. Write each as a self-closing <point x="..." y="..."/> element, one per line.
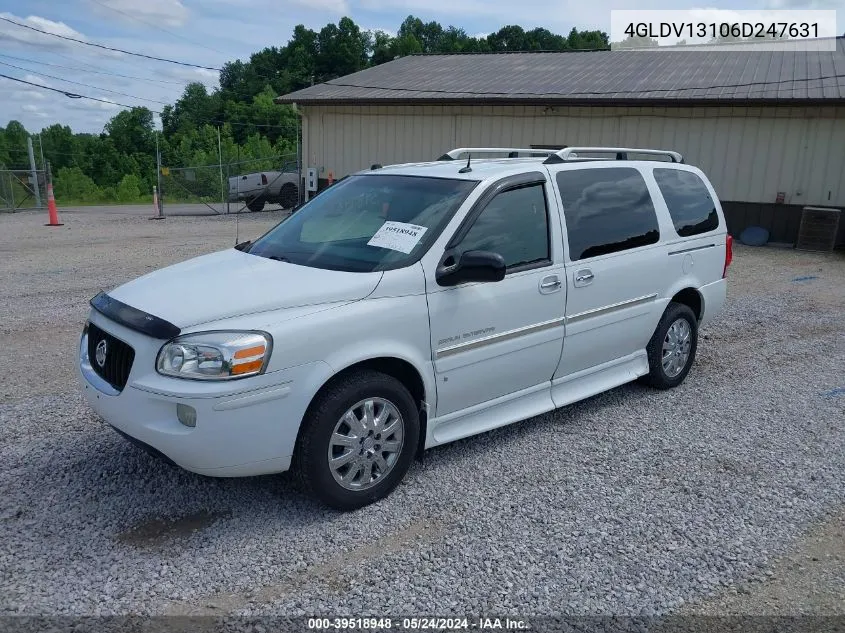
<point x="671" y="350"/>
<point x="358" y="440"/>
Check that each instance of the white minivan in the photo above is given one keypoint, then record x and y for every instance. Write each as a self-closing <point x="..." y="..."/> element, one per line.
<point x="409" y="306"/>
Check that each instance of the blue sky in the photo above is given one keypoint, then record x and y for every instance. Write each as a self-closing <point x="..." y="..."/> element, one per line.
<point x="211" y="32"/>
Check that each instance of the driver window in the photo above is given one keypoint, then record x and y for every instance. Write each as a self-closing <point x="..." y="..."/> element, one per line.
<point x="515" y="225"/>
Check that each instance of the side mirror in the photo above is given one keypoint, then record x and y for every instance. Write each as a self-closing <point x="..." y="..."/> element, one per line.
<point x="470" y="266"/>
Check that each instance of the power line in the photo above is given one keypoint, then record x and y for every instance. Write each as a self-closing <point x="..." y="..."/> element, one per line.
<point x="267" y="125"/>
<point x="122" y="94"/>
<point x="86" y="70"/>
<point x="156" y="26"/>
<point x="71" y="95"/>
<point x="108" y="48"/>
<point x="75" y="60"/>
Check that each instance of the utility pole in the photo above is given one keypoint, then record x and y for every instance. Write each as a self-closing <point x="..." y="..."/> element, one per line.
<point x="300" y="179"/>
<point x="158" y="178"/>
<point x="36" y="187"/>
<point x="41" y="148"/>
<point x="220" y="162"/>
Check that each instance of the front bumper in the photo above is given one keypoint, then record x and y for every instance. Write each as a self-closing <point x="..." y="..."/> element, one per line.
<point x="244" y="427"/>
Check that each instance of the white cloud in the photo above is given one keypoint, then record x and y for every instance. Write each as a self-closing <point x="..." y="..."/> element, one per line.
<point x="88" y="104"/>
<point x="803" y="4"/>
<point x="23" y="37"/>
<point x="181" y="73"/>
<point x="34" y="110"/>
<point x="170" y="13"/>
<point x="478" y="8"/>
<point x="36" y="80"/>
<point x="27" y="95"/>
<point x="338" y="7"/>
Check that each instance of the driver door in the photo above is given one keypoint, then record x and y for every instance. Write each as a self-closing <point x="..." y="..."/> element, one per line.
<point x="495" y="339"/>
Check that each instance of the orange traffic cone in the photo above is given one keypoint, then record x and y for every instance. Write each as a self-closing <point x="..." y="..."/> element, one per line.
<point x="51" y="206"/>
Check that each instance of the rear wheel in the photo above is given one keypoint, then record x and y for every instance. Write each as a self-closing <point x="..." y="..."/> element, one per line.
<point x="255" y="205"/>
<point x="289" y="196"/>
<point x="358" y="440"/>
<point x="671" y="350"/>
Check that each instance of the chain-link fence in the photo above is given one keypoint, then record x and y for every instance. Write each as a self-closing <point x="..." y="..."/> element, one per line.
<point x="19" y="189"/>
<point x="239" y="186"/>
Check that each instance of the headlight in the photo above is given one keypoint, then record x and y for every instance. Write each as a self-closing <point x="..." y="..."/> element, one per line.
<point x="215" y="355"/>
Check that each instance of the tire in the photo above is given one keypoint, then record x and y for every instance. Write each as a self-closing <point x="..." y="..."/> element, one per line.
<point x="289" y="196"/>
<point x="676" y="320"/>
<point x="368" y="477"/>
<point x="255" y="205"/>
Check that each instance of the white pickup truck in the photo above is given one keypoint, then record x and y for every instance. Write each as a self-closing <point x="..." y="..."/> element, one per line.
<point x="410" y="306"/>
<point x="259" y="188"/>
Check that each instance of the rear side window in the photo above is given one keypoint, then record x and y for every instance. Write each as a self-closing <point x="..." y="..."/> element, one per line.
<point x="606" y="211"/>
<point x="690" y="204"/>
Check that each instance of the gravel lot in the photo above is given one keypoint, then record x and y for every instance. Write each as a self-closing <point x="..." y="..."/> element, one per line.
<point x="633" y="502"/>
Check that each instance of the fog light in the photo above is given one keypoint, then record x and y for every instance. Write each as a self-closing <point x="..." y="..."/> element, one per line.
<point x="187" y="415"/>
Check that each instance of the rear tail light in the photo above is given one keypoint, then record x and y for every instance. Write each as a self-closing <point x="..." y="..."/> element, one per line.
<point x="263" y="179"/>
<point x="729" y="254"/>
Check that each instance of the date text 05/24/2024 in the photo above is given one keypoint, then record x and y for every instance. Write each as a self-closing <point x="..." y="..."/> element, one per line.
<point x="418" y="624"/>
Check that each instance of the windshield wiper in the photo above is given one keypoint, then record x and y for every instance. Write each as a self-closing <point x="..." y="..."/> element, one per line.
<point x="279" y="258"/>
<point x="243" y="246"/>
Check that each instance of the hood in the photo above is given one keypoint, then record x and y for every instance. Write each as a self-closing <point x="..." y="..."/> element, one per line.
<point x="230" y="283"/>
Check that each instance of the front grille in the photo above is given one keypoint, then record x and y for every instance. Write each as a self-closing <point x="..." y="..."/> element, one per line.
<point x="118" y="359"/>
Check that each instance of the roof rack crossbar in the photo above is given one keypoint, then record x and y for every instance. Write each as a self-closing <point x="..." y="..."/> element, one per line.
<point x="512" y="152"/>
<point x="621" y="153"/>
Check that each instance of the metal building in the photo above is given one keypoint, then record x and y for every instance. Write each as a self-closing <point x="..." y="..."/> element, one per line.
<point x="767" y="127"/>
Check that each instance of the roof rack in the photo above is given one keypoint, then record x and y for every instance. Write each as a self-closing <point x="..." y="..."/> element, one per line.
<point x="512" y="152"/>
<point x="621" y="153"/>
<point x="562" y="155"/>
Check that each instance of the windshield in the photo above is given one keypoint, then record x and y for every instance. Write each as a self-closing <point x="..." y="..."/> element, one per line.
<point x="366" y="223"/>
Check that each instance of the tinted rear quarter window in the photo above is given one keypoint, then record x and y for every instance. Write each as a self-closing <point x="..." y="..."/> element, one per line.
<point x="688" y="200"/>
<point x="606" y="211"/>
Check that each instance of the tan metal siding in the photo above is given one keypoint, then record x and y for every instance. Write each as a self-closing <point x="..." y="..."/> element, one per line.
<point x="750" y="154"/>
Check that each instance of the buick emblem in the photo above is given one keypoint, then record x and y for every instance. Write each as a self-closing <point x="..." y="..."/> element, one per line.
<point x="100" y="354"/>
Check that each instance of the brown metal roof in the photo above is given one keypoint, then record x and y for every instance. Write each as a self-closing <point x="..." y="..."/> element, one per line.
<point x="666" y="76"/>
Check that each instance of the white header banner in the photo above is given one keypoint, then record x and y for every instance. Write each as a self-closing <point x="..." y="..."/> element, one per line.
<point x="724" y="29"/>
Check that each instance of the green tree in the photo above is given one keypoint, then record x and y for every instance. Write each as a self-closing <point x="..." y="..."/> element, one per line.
<point x="429" y="35"/>
<point x="382" y="48"/>
<point x="129" y="189"/>
<point x="636" y="41"/>
<point x="342" y="50"/>
<point x="508" y="38"/>
<point x="195" y="107"/>
<point x="72" y="184"/>
<point x="60" y="146"/>
<point x="14" y="154"/>
<point x="131" y="131"/>
<point x="119" y="163"/>
<point x="588" y="40"/>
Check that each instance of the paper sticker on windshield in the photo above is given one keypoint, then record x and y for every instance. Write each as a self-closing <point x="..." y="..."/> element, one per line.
<point x="398" y="236"/>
